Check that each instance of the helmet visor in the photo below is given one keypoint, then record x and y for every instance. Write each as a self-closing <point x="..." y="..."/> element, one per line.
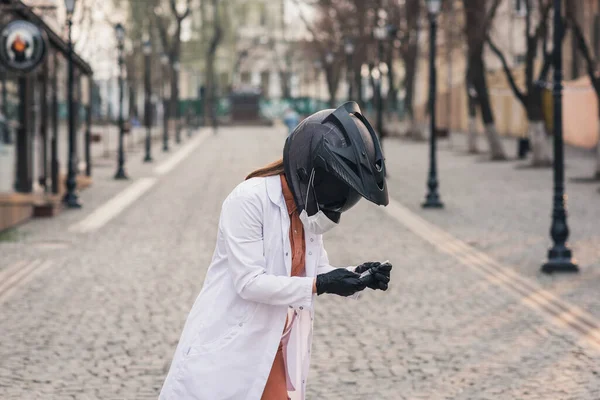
<point x="332" y="194"/>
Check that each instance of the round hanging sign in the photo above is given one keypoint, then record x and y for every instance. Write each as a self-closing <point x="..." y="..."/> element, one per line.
<point x="22" y="46"/>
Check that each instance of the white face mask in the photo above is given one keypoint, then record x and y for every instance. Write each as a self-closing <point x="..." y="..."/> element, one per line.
<point x="319" y="223"/>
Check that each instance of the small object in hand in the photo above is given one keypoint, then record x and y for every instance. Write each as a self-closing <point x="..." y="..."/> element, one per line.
<point x="378" y="276"/>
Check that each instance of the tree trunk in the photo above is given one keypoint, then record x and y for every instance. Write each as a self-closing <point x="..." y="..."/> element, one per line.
<point x="174" y="104"/>
<point x="133" y="110"/>
<point x="479" y="83"/>
<point x="409" y="80"/>
<point x="357" y="91"/>
<point x="331" y="85"/>
<point x="210" y="103"/>
<point x="540" y="145"/>
<point x="209" y="87"/>
<point x="285" y="84"/>
<point x="392" y="89"/>
<point x="472" y="133"/>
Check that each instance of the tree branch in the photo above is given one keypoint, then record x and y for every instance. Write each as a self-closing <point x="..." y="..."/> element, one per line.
<point x="163" y="34"/>
<point x="218" y="30"/>
<point x="491" y="14"/>
<point x="542" y="27"/>
<point x="186" y="13"/>
<point x="548" y="56"/>
<point x="520" y="96"/>
<point x="585" y="51"/>
<point x="308" y="25"/>
<point x="528" y="12"/>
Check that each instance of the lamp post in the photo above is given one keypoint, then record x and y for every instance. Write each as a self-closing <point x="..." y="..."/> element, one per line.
<point x="432" y="198"/>
<point x="380" y="33"/>
<point x="5" y="130"/>
<point x="175" y="101"/>
<point x="349" y="50"/>
<point x="559" y="256"/>
<point x="148" y="99"/>
<point x="164" y="60"/>
<point x="120" y="32"/>
<point x="71" y="199"/>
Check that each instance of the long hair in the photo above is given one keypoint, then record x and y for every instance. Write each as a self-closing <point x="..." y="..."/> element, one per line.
<point x="275" y="168"/>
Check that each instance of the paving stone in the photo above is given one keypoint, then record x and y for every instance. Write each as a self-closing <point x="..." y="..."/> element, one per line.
<point x="103" y="322"/>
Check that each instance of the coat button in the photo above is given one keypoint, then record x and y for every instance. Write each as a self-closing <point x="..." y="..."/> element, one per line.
<point x="286" y="253"/>
<point x="241" y="324"/>
<point x="310" y="253"/>
<point x="312" y="240"/>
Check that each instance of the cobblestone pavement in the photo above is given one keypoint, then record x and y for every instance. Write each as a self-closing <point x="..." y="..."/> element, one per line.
<point x="504" y="209"/>
<point x="103" y="321"/>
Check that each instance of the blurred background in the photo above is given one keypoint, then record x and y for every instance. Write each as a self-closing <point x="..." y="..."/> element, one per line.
<point x="183" y="64"/>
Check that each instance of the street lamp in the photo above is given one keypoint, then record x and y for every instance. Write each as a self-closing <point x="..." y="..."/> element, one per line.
<point x="432" y="198"/>
<point x="147" y="48"/>
<point x="559" y="256"/>
<point x="71" y="199"/>
<point x="349" y="50"/>
<point x="164" y="60"/>
<point x="120" y="33"/>
<point x="6" y="136"/>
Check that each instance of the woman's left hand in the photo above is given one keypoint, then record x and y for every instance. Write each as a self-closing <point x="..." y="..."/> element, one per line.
<point x="379" y="274"/>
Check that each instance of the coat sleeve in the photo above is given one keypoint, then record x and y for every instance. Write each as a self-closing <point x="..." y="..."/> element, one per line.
<point x="241" y="226"/>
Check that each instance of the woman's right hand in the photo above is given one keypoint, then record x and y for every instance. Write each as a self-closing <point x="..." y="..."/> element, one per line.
<point x="340" y="281"/>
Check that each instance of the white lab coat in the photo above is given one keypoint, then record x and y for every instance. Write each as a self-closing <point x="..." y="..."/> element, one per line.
<point x="232" y="333"/>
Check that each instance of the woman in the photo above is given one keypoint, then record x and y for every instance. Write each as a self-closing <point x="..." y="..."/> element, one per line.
<point x="249" y="333"/>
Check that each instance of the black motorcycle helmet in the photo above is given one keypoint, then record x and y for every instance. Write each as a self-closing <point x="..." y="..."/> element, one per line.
<point x="338" y="153"/>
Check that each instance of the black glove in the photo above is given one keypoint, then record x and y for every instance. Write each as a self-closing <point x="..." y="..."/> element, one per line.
<point x="379" y="276"/>
<point x="340" y="281"/>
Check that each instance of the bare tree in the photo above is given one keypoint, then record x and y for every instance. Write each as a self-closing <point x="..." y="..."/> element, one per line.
<point x="592" y="70"/>
<point x="409" y="51"/>
<point x="479" y="15"/>
<point x="283" y="57"/>
<point x="215" y="39"/>
<point x="172" y="47"/>
<point x="327" y="34"/>
<point x="531" y="97"/>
